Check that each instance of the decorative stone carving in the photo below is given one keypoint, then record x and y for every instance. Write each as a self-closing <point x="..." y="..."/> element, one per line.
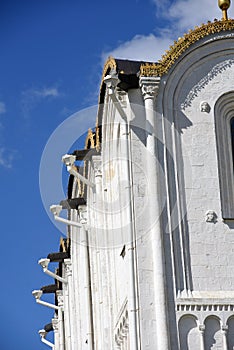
<point x="122" y="329"/>
<point x="224" y="329"/>
<point x="55" y="324"/>
<point x="97" y="170"/>
<point x="202" y="328"/>
<point x="59" y="295"/>
<point x="111" y="82"/>
<point x="216" y="70"/>
<point x="149" y="87"/>
<point x="210" y="307"/>
<point x="68" y="267"/>
<point x="83" y="214"/>
<point x="205" y="107"/>
<point x="211" y="216"/>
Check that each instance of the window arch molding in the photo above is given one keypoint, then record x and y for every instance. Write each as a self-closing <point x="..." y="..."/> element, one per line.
<point x="224" y="112"/>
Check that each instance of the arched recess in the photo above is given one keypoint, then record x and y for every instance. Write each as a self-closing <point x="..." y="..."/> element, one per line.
<point x="188" y="333"/>
<point x="230" y="334"/>
<point x="224" y="112"/>
<point x="213" y="336"/>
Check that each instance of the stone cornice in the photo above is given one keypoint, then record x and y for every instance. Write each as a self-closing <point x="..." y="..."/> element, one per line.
<point x="182" y="44"/>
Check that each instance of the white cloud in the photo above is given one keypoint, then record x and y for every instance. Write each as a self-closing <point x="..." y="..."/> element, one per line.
<point x="188" y="13"/>
<point x="145" y="48"/>
<point x="178" y="17"/>
<point x="161" y="6"/>
<point x="6" y="158"/>
<point x="2" y="108"/>
<point x="31" y="97"/>
<point x="46" y="92"/>
<point x="185" y="14"/>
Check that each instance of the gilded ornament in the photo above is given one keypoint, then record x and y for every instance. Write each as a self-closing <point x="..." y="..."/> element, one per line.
<point x="90" y="140"/>
<point x="182" y="44"/>
<point x="98" y="143"/>
<point x="109" y="65"/>
<point x="224" y="5"/>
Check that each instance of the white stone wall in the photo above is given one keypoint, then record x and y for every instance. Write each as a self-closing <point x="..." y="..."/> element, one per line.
<point x="202" y="251"/>
<point x="211" y="257"/>
<point x="197" y="254"/>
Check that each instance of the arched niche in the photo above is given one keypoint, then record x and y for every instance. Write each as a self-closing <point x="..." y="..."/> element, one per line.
<point x="230" y="334"/>
<point x="213" y="336"/>
<point x="188" y="333"/>
<point x="224" y="113"/>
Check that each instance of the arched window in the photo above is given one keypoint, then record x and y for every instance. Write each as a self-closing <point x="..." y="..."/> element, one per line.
<point x="224" y="127"/>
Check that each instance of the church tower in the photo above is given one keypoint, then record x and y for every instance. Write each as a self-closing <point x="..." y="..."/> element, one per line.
<point x="149" y="256"/>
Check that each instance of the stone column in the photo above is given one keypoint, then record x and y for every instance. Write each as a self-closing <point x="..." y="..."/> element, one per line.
<point x="56" y="333"/>
<point x="224" y="330"/>
<point x="202" y="339"/>
<point x="87" y="282"/>
<point x="98" y="202"/>
<point x="59" y="294"/>
<point x="68" y="305"/>
<point x="149" y="87"/>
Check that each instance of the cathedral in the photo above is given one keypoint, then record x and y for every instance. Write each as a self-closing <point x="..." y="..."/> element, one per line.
<point x="148" y="261"/>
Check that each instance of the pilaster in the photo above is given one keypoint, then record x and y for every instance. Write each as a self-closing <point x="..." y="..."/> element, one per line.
<point x="59" y="295"/>
<point x="149" y="88"/>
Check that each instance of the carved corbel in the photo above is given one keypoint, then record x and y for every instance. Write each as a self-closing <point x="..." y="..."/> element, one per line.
<point x="83" y="214"/>
<point x="55" y="324"/>
<point x="59" y="295"/>
<point x="68" y="267"/>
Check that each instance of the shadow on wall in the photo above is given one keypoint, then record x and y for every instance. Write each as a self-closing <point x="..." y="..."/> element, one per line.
<point x="188" y="333"/>
<point x="213" y="336"/>
<point x="190" y="337"/>
<point x="230" y="336"/>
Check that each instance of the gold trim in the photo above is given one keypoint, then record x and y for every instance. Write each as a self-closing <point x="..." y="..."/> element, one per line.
<point x="224" y="6"/>
<point x="90" y="138"/>
<point x="98" y="144"/>
<point x="182" y="44"/>
<point x="63" y="245"/>
<point x="110" y="64"/>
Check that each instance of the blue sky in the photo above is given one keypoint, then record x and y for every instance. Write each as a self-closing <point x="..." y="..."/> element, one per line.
<point x="52" y="53"/>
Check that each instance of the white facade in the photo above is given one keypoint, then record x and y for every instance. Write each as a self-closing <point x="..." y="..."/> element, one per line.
<point x="152" y="266"/>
